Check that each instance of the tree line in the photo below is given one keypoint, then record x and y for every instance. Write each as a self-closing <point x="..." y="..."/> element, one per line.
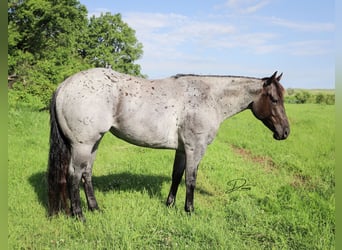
<point x="49" y="40"/>
<point x="306" y="96"/>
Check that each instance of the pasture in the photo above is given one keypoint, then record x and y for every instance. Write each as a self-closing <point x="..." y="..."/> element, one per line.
<point x="253" y="192"/>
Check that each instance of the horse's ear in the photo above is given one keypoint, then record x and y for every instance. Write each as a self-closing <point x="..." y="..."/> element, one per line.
<point x="274" y="76"/>
<point x="279" y="77"/>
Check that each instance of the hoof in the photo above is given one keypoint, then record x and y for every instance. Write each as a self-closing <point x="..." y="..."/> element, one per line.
<point x="79" y="217"/>
<point x="189" y="209"/>
<point x="170" y="202"/>
<point x="94" y="209"/>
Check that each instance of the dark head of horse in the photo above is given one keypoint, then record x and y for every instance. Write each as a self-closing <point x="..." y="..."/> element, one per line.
<point x="269" y="107"/>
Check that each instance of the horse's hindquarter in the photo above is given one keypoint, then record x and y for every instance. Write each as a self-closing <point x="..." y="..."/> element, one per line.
<point x="84" y="106"/>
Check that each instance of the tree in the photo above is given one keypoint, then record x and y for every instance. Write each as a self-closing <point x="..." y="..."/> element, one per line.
<point x="111" y="42"/>
<point x="43" y="35"/>
<point x="52" y="39"/>
<point x="44" y="29"/>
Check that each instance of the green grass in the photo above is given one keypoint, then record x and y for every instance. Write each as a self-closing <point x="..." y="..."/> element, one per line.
<point x="287" y="201"/>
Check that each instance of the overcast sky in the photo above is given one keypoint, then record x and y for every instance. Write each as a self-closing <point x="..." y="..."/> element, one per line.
<point x="233" y="37"/>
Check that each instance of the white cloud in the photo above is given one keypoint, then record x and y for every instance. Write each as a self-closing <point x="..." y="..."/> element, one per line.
<point x="246" y="6"/>
<point x="310" y="48"/>
<point x="143" y="21"/>
<point x="168" y="34"/>
<point x="255" y="7"/>
<point x="304" y="26"/>
<point x="176" y="27"/>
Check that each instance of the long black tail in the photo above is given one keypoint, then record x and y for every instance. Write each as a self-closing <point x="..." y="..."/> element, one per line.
<point x="59" y="159"/>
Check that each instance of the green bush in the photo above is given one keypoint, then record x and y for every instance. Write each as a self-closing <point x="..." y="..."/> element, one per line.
<point x="330" y="99"/>
<point x="320" y="98"/>
<point x="302" y="97"/>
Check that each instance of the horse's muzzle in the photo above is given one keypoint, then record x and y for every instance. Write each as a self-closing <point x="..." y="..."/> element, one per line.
<point x="282" y="136"/>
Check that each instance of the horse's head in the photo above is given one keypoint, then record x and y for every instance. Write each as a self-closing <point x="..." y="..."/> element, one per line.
<point x="269" y="107"/>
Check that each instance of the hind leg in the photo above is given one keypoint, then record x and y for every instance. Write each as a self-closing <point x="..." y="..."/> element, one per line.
<point x="89" y="191"/>
<point x="81" y="160"/>
<point x="88" y="185"/>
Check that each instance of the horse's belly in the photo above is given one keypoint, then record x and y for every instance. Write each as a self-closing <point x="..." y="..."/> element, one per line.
<point x="142" y="131"/>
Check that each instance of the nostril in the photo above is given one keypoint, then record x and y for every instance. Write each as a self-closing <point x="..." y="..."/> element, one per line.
<point x="286" y="132"/>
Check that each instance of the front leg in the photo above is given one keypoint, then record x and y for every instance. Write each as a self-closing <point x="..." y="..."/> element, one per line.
<point x="196" y="134"/>
<point x="193" y="158"/>
<point x="190" y="180"/>
<point x="189" y="200"/>
<point x="178" y="171"/>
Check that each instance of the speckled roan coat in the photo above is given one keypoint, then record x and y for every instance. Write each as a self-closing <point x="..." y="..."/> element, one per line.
<point x="182" y="112"/>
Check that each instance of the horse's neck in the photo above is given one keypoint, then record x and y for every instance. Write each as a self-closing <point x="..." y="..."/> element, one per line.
<point x="237" y="94"/>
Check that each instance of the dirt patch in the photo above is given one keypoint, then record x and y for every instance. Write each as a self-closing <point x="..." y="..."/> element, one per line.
<point x="300" y="180"/>
<point x="265" y="161"/>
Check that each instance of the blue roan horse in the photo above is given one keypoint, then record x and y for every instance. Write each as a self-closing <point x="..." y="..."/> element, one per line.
<point x="182" y="112"/>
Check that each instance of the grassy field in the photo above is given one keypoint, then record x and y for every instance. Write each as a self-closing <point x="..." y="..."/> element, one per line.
<point x="253" y="192"/>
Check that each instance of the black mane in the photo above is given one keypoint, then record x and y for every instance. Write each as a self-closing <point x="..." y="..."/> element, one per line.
<point x="197" y="75"/>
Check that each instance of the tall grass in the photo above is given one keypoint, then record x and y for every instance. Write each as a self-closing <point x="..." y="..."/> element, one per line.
<point x="253" y="192"/>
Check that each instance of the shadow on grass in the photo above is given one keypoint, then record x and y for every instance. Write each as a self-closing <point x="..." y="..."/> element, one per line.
<point x="152" y="184"/>
<point x="39" y="183"/>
